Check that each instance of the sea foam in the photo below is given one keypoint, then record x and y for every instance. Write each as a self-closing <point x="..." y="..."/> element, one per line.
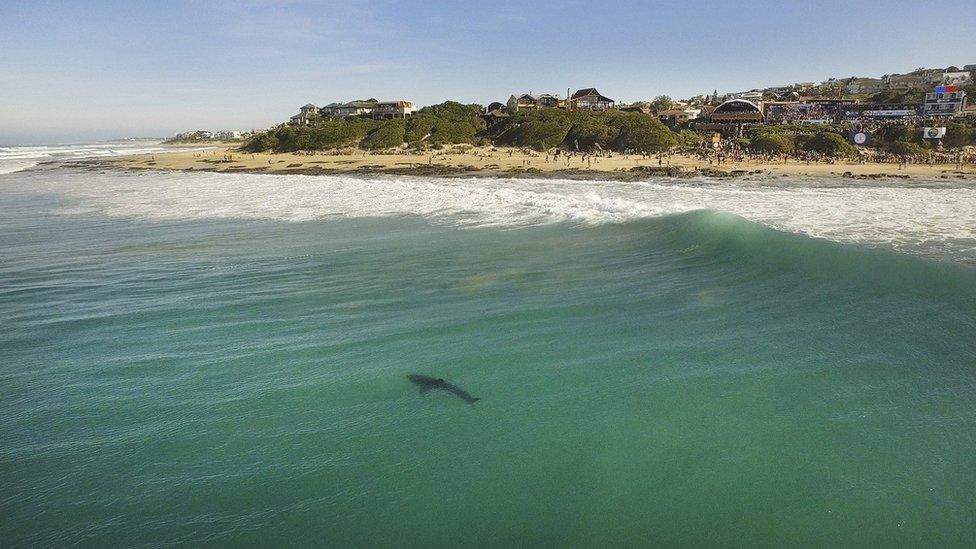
<point x="936" y="217"/>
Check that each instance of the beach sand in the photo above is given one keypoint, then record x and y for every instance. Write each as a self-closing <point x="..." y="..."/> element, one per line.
<point x="489" y="161"/>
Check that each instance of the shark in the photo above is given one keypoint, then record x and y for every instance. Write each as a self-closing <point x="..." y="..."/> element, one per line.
<point x="427" y="383"/>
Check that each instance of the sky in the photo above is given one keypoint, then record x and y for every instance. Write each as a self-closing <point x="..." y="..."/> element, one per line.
<point x="73" y="71"/>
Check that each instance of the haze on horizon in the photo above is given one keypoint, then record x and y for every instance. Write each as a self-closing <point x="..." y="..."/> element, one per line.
<point x="75" y="71"/>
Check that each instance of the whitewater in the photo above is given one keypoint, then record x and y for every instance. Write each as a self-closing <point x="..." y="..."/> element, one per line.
<point x="935" y="218"/>
<point x="15" y="158"/>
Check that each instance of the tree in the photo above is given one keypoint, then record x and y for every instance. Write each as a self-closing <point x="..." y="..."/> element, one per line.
<point x="540" y="130"/>
<point x="588" y="133"/>
<point x="662" y="103"/>
<point x="260" y="142"/>
<point x="958" y="135"/>
<point x="774" y="143"/>
<point x="448" y="123"/>
<point x="907" y="148"/>
<point x="828" y="143"/>
<point x="689" y="139"/>
<point x="640" y="132"/>
<point x="385" y="136"/>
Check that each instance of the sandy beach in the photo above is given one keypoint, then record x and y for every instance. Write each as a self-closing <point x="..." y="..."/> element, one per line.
<point x="509" y="161"/>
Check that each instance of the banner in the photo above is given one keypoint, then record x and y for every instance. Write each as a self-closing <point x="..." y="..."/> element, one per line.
<point x="860" y="138"/>
<point x="933" y="133"/>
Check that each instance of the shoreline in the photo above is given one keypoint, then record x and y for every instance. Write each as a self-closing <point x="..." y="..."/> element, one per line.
<point x="507" y="163"/>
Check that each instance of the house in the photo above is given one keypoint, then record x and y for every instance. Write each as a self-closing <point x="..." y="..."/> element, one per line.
<point x="754" y="96"/>
<point x="304" y="117"/>
<point x="494" y="116"/>
<point x="857" y="85"/>
<point x="196" y="135"/>
<point x="386" y="110"/>
<point x="528" y="101"/>
<point x="331" y="110"/>
<point x="673" y="117"/>
<point x="589" y="99"/>
<point x="360" y="107"/>
<point x="921" y="78"/>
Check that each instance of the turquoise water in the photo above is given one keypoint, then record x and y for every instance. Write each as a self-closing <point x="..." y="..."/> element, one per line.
<point x="208" y="371"/>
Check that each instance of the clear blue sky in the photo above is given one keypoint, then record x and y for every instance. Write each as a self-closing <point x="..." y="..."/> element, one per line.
<point x="78" y="70"/>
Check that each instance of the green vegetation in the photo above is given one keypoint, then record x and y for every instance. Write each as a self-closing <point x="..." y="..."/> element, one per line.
<point x="584" y="131"/>
<point x="907" y="147"/>
<point x="787" y="139"/>
<point x="959" y="135"/>
<point x="829" y="143"/>
<point x="445" y="124"/>
<point x="773" y="143"/>
<point x="386" y="136"/>
<point x="894" y="97"/>
<point x="689" y="139"/>
<point x="640" y="132"/>
<point x="662" y="103"/>
<point x="453" y="123"/>
<point x="970" y="90"/>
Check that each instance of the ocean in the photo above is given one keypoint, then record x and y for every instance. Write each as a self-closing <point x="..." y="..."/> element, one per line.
<point x="221" y="360"/>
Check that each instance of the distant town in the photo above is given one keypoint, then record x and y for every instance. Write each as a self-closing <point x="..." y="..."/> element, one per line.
<point x="924" y="94"/>
<point x="918" y="94"/>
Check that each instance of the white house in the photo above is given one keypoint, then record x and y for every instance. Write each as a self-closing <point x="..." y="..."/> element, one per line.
<point x="392" y="109"/>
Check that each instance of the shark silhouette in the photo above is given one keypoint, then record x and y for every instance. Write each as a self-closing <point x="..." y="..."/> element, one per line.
<point x="426" y="383"/>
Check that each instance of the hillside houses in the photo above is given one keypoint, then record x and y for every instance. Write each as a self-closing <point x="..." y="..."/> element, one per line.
<point x="586" y="99"/>
<point x="387" y="110"/>
<point x="856" y="86"/>
<point x="305" y="115"/>
<point x="370" y="108"/>
<point x="589" y="99"/>
<point x="528" y="101"/>
<point x="834" y="100"/>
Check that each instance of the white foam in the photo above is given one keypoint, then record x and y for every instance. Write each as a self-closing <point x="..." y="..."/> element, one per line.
<point x="14" y="159"/>
<point x="940" y="218"/>
<point x="16" y="165"/>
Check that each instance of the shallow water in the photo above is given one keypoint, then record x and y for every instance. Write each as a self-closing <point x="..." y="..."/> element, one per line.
<point x="222" y="359"/>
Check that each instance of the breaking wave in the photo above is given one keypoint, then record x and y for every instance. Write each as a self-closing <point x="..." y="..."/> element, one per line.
<point x="937" y="219"/>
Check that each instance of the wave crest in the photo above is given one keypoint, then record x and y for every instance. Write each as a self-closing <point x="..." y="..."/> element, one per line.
<point x="939" y="220"/>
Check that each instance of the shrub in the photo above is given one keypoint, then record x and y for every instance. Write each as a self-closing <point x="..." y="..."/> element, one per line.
<point x="908" y="148"/>
<point x="775" y="143"/>
<point x="958" y="135"/>
<point x="640" y="132"/>
<point x="447" y="123"/>
<point x="588" y="133"/>
<point x="743" y="142"/>
<point x="826" y="143"/>
<point x="385" y="136"/>
<point x="688" y="138"/>
<point x="540" y="130"/>
<point x="261" y="142"/>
